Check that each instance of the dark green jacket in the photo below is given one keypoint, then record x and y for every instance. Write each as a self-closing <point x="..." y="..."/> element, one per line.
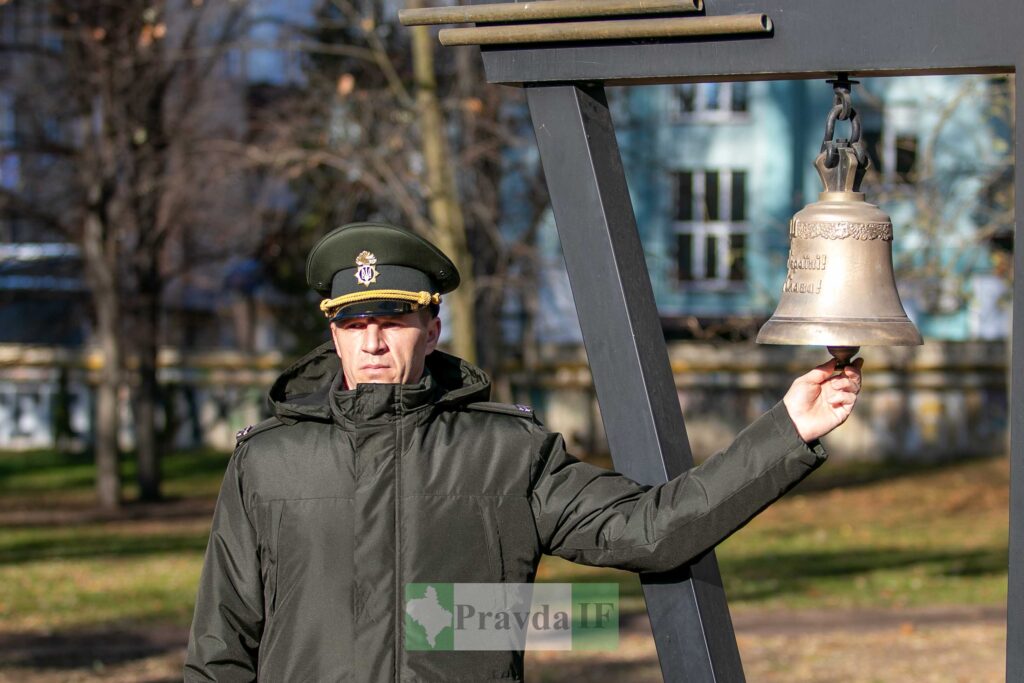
<point x="326" y="512"/>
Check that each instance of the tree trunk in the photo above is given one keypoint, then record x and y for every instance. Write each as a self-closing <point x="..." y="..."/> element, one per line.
<point x="443" y="201"/>
<point x="147" y="395"/>
<point x="107" y="304"/>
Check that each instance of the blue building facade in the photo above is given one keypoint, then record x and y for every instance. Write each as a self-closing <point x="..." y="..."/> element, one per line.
<point x="716" y="170"/>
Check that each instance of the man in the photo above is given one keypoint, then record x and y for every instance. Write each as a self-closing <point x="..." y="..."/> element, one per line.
<point x="385" y="464"/>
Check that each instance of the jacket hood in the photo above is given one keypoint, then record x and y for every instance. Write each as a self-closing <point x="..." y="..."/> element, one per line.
<point x="309" y="388"/>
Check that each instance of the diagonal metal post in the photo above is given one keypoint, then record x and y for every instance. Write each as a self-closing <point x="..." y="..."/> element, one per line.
<point x="629" y="360"/>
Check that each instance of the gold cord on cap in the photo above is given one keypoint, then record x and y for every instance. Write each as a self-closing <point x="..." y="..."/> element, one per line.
<point x="331" y="306"/>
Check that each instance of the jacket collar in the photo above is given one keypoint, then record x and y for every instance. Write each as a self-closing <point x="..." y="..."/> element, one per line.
<point x="372" y="403"/>
<point x="311" y="389"/>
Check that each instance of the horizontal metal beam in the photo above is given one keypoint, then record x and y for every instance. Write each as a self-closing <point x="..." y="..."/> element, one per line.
<point x="542" y="11"/>
<point x="612" y="29"/>
<point x="811" y="39"/>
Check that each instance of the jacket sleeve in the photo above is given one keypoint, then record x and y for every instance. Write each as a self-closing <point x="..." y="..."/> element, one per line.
<point x="594" y="516"/>
<point x="224" y="641"/>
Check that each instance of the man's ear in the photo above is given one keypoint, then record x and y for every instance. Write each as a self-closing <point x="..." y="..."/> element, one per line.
<point x="335" y="331"/>
<point x="433" y="333"/>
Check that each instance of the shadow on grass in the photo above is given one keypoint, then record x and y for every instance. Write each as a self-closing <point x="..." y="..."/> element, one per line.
<point x="773" y="575"/>
<point x="73" y="649"/>
<point x="76" y="649"/>
<point x="47" y="470"/>
<point x="599" y="668"/>
<point x="849" y="475"/>
<point x="67" y="546"/>
<point x="838" y="475"/>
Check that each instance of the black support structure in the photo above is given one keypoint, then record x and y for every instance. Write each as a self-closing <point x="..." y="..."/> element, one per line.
<point x="628" y="359"/>
<point x="610" y="281"/>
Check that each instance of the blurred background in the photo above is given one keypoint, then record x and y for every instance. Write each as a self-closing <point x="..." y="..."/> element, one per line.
<point x="166" y="165"/>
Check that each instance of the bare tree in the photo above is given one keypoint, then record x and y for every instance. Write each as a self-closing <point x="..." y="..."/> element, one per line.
<point x="442" y="193"/>
<point x="115" y="99"/>
<point x="386" y="126"/>
<point x="958" y="180"/>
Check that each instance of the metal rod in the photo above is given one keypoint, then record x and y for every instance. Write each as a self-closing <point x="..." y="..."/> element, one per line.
<point x="620" y="29"/>
<point x="629" y="361"/>
<point x="1015" y="577"/>
<point x="545" y="9"/>
<point x="947" y="36"/>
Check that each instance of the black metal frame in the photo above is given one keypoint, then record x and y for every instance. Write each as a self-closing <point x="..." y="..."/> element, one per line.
<point x="609" y="277"/>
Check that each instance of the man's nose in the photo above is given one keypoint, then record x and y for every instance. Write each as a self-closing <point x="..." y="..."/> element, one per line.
<point x="372" y="340"/>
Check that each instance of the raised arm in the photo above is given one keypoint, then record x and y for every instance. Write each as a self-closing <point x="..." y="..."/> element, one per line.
<point x="594" y="516"/>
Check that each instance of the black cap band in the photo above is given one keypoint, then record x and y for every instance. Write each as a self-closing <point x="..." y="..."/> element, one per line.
<point x="350" y="280"/>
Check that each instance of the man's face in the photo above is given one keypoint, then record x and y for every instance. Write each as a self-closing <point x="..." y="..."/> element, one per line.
<point x="387" y="349"/>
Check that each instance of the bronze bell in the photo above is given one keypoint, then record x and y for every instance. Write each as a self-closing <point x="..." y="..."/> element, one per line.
<point x="840" y="290"/>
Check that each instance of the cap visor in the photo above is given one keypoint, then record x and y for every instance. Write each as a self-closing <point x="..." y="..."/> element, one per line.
<point x="381" y="307"/>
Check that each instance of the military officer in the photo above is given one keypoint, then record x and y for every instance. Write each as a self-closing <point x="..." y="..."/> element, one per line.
<point x="385" y="463"/>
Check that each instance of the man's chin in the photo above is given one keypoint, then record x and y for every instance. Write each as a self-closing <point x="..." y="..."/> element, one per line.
<point x="377" y="376"/>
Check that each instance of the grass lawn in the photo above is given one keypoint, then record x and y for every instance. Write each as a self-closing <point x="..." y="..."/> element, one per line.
<point x="851" y="536"/>
<point x="864" y="536"/>
<point x="77" y="570"/>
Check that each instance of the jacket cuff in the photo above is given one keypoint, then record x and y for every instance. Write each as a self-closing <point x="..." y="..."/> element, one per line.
<point x="811" y="453"/>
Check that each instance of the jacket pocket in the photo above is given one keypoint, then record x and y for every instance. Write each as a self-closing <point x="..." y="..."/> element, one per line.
<point x="451" y="539"/>
<point x="276" y="514"/>
<point x="520" y="549"/>
<point x="492" y="536"/>
<point x="311" y="584"/>
<point x="271" y="556"/>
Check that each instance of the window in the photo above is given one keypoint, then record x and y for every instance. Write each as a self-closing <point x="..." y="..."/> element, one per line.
<point x="905" y="158"/>
<point x="711" y="101"/>
<point x="7" y="120"/>
<point x="893" y="155"/>
<point x="873" y="142"/>
<point x="710" y="226"/>
<point x="27" y="23"/>
<point x="10" y="163"/>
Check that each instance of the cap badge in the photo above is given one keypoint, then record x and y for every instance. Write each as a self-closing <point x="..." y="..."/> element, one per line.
<point x="366" y="270"/>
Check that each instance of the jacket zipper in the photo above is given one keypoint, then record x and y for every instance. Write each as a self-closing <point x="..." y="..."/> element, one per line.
<point x="399" y="597"/>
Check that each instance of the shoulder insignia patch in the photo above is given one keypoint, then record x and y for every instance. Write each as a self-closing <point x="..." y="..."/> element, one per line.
<point x="253" y="429"/>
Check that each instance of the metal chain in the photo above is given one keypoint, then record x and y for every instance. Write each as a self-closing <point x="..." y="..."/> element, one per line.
<point x="842" y="110"/>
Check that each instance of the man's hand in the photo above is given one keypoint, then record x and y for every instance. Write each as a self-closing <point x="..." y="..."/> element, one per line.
<point x="821" y="400"/>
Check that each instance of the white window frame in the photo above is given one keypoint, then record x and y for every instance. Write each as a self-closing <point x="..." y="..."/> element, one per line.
<point x="722" y="229"/>
<point x="890" y="136"/>
<point x="702" y="112"/>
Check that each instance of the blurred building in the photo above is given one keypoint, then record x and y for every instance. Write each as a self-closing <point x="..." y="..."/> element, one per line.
<point x="217" y="293"/>
<point x="716" y="170"/>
